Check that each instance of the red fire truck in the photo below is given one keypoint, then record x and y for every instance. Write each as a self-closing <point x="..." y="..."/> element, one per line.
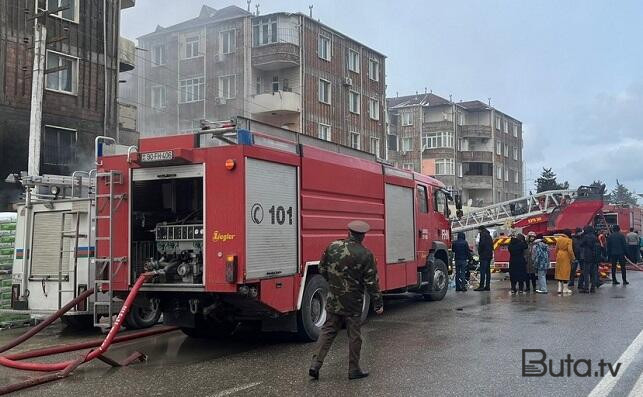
<point x="237" y="217"/>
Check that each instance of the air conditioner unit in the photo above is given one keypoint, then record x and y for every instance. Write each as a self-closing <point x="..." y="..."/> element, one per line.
<point x="348" y="81"/>
<point x="220" y="100"/>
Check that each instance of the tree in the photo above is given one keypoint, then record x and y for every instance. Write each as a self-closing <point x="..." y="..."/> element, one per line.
<point x="547" y="181"/>
<point x="621" y="195"/>
<point x="600" y="185"/>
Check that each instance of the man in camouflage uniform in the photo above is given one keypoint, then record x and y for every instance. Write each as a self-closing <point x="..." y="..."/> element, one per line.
<point x="350" y="270"/>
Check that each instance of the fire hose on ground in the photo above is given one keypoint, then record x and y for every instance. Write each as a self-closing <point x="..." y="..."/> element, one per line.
<point x="63" y="369"/>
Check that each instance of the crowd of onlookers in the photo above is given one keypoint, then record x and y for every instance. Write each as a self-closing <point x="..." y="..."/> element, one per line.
<point x="529" y="260"/>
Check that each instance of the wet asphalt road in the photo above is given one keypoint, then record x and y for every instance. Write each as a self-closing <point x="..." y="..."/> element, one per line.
<point x="468" y="344"/>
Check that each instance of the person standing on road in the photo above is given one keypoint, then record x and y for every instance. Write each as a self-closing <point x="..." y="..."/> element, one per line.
<point x="616" y="250"/>
<point x="576" y="240"/>
<point x="485" y="253"/>
<point x="517" y="263"/>
<point x="564" y="259"/>
<point x="462" y="254"/>
<point x="531" y="267"/>
<point x="591" y="252"/>
<point x="540" y="256"/>
<point x="633" y="243"/>
<point x="350" y="270"/>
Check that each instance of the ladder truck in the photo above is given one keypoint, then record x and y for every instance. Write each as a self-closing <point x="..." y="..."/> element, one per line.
<point x="545" y="213"/>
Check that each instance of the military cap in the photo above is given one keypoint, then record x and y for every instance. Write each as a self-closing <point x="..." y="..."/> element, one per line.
<point x="359" y="227"/>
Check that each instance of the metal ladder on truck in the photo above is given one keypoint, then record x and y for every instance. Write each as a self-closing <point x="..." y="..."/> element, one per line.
<point x="513" y="210"/>
<point x="105" y="266"/>
<point x="70" y="250"/>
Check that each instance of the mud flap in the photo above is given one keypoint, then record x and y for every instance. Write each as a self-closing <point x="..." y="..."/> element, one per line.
<point x="286" y="323"/>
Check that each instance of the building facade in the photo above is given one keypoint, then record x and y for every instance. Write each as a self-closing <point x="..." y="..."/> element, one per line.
<point x="473" y="148"/>
<point x="284" y="69"/>
<point x="80" y="84"/>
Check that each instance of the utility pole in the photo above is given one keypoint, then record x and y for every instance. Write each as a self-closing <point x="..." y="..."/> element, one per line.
<point x="37" y="91"/>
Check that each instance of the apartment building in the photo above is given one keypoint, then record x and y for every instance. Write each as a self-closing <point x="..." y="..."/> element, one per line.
<point x="472" y="147"/>
<point x="284" y="69"/>
<point x="81" y="81"/>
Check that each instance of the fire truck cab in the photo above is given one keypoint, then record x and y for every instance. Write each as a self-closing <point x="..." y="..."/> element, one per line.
<point x="237" y="219"/>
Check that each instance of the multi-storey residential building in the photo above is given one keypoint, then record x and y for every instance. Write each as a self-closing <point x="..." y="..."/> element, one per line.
<point x="80" y="84"/>
<point x="473" y="148"/>
<point x="284" y="69"/>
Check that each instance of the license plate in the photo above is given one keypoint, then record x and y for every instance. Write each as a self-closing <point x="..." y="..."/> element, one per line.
<point x="157" y="156"/>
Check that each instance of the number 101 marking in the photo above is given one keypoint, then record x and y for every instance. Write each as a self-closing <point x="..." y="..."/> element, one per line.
<point x="278" y="214"/>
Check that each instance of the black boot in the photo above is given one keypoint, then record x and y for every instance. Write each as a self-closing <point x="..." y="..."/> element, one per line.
<point x="357" y="374"/>
<point x="480" y="288"/>
<point x="314" y="368"/>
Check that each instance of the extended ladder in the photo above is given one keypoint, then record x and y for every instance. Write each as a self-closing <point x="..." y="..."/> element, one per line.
<point x="63" y="260"/>
<point x="105" y="264"/>
<point x="513" y="210"/>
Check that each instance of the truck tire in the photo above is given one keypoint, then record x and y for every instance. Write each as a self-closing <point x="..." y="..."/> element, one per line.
<point x="312" y="315"/>
<point x="366" y="308"/>
<point x="438" y="281"/>
<point x="143" y="314"/>
<point x="79" y="323"/>
<point x="209" y="329"/>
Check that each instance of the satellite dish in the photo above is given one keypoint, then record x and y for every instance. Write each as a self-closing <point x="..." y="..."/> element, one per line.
<point x="469" y="202"/>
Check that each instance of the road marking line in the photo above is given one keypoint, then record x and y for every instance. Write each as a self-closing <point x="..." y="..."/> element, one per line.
<point x="605" y="386"/>
<point x="236" y="389"/>
<point x="637" y="390"/>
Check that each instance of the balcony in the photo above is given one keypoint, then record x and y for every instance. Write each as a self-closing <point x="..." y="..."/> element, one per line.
<point x="475" y="131"/>
<point x="282" y="52"/>
<point x="274" y="103"/>
<point x="127" y="55"/>
<point x="477" y="182"/>
<point x="445" y="125"/>
<point x="481" y="157"/>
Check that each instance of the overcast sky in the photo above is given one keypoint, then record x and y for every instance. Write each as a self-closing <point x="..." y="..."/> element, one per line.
<point x="571" y="71"/>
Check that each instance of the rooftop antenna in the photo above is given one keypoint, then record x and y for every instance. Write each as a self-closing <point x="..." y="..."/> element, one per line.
<point x="249" y="1"/>
<point x="397" y="94"/>
<point x="310" y="7"/>
<point x="431" y="90"/>
<point x="450" y="98"/>
<point x="257" y="7"/>
<point x="425" y="90"/>
<point x="489" y="101"/>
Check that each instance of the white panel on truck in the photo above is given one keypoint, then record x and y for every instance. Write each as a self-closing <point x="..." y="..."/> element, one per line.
<point x="271" y="219"/>
<point x="45" y="244"/>
<point x="400" y="235"/>
<point x="168" y="172"/>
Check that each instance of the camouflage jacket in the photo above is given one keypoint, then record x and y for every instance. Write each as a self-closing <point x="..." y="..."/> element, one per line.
<point x="350" y="270"/>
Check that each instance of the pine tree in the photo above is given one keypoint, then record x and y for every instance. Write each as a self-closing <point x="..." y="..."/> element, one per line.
<point x="547" y="181"/>
<point x="621" y="195"/>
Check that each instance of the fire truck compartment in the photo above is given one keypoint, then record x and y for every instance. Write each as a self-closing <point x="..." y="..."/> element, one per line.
<point x="167" y="223"/>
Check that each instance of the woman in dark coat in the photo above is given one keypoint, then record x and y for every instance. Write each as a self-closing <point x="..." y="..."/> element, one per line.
<point x="517" y="263"/>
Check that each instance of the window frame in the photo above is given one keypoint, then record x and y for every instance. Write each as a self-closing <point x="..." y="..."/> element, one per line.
<point x="422" y="197"/>
<point x="498" y="123"/>
<point x="183" y="89"/>
<point x="448" y="164"/>
<point x="59" y="14"/>
<point x="505" y="126"/>
<point x="271" y="30"/>
<point x="506" y="150"/>
<point x="506" y="171"/>
<point x="515" y="153"/>
<point x="373" y="107"/>
<point x="162" y="104"/>
<point x="74" y="73"/>
<point x="499" y="148"/>
<point x="231" y="42"/>
<point x="373" y="69"/>
<point x="499" y="172"/>
<point x="319" y="89"/>
<point x="162" y="47"/>
<point x="406" y="144"/>
<point x="45" y="150"/>
<point x="356" y="61"/>
<point x="189" y="41"/>
<point x="328" y="133"/>
<point x="403" y="116"/>
<point x="228" y="78"/>
<point x="377" y="145"/>
<point x="358" y="103"/>
<point x="430" y="140"/>
<point x="514" y="127"/>
<point x="324" y="45"/>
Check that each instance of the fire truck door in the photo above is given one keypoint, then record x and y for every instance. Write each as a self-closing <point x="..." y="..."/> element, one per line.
<point x="423" y="222"/>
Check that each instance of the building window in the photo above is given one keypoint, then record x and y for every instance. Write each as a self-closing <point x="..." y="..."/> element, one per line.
<point x="407" y="144"/>
<point x="258" y="85"/>
<point x="191" y="90"/>
<point x="159" y="97"/>
<point x="499" y="148"/>
<point x="353" y="61"/>
<point x="353" y="102"/>
<point x="460" y="170"/>
<point x="506" y="127"/>
<point x="516" y="176"/>
<point x="497" y="122"/>
<point x="191" y="47"/>
<point x="407" y="118"/>
<point x="227" y="41"/>
<point x="506" y="175"/>
<point x="228" y="87"/>
<point x="189" y="125"/>
<point x="58" y="146"/>
<point x="499" y="172"/>
<point x="373" y="69"/>
<point x="460" y="118"/>
<point x="70" y="12"/>
<point x="506" y="150"/>
<point x="375" y="146"/>
<point x="392" y="142"/>
<point x="324" y="91"/>
<point x="158" y="55"/>
<point x="275" y="84"/>
<point x="323" y="47"/>
<point x="423" y="201"/>
<point x="515" y="153"/>
<point x="264" y="31"/>
<point x="515" y="130"/>
<point x="355" y="140"/>
<point x="374" y="108"/>
<point x="432" y="140"/>
<point x="444" y="167"/>
<point x="408" y="166"/>
<point x="65" y="79"/>
<point x="324" y="132"/>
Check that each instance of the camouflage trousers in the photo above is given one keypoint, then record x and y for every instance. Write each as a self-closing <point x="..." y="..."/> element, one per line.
<point x="329" y="331"/>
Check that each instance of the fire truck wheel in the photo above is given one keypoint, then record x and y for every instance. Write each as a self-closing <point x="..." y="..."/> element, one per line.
<point x="82" y="322"/>
<point x="439" y="277"/>
<point x="143" y="314"/>
<point x="312" y="314"/>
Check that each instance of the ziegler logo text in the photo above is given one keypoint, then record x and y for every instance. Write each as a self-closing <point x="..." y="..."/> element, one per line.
<point x="535" y="363"/>
<point x="223" y="237"/>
